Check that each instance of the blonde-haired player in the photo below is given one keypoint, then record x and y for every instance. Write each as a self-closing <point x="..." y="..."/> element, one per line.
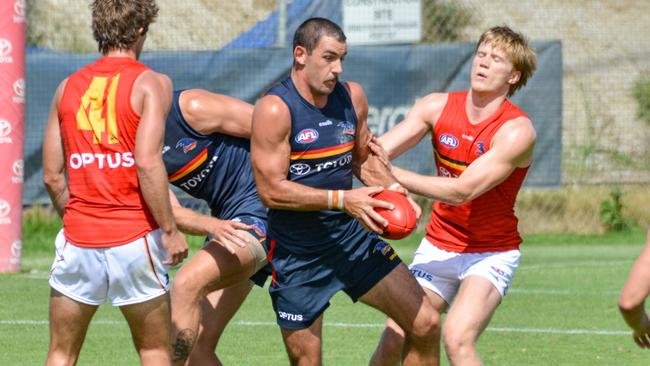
<point x="483" y="146"/>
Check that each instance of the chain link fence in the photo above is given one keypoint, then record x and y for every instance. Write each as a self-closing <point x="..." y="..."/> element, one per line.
<point x="606" y="51"/>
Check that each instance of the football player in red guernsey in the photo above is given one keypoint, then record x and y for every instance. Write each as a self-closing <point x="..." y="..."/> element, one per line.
<point x="103" y="170"/>
<point x="483" y="146"/>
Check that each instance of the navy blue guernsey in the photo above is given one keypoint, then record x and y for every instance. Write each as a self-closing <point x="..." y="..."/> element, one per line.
<point x="322" y="140"/>
<point x="215" y="168"/>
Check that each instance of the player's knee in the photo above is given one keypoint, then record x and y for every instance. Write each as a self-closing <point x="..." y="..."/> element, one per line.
<point x="457" y="341"/>
<point x="628" y="303"/>
<point x="301" y="356"/>
<point x="186" y="286"/>
<point x="155" y="356"/>
<point x="59" y="356"/>
<point x="426" y="326"/>
<point x="389" y="351"/>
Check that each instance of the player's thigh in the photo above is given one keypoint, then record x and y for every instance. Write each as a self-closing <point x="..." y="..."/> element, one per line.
<point x="304" y="343"/>
<point x="150" y="322"/>
<point x="258" y="251"/>
<point x="215" y="267"/>
<point x="473" y="307"/>
<point x="399" y="296"/>
<point x="69" y="321"/>
<point x="394" y="331"/>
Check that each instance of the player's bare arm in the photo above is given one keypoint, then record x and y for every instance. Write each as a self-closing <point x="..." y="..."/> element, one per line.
<point x="270" y="152"/>
<point x="152" y="96"/>
<point x="512" y="147"/>
<point x="380" y="175"/>
<point x="54" y="164"/>
<point x="632" y="299"/>
<point x="410" y="131"/>
<point x="370" y="161"/>
<point x="417" y="124"/>
<point x="211" y="113"/>
<point x="225" y="232"/>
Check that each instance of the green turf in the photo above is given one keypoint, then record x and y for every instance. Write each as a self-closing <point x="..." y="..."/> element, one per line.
<point x="565" y="283"/>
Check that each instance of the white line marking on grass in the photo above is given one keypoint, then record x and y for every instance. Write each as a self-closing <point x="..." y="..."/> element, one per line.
<point x="570" y="265"/>
<point x="561" y="292"/>
<point x="47" y="322"/>
<point x="341" y="325"/>
<point x="360" y="325"/>
<point x="559" y="331"/>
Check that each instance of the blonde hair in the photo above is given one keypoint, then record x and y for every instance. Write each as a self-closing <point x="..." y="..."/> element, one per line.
<point x="516" y="46"/>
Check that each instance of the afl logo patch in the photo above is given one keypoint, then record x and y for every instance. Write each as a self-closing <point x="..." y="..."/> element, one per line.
<point x="449" y="141"/>
<point x="187" y="144"/>
<point x="306" y="136"/>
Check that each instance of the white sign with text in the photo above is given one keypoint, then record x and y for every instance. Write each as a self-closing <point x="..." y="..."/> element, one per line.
<point x="382" y="21"/>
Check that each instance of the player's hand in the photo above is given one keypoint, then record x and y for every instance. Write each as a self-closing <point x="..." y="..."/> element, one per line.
<point x="398" y="188"/>
<point x="358" y="204"/>
<point x="226" y="233"/>
<point x="175" y="245"/>
<point x="641" y="335"/>
<point x="377" y="150"/>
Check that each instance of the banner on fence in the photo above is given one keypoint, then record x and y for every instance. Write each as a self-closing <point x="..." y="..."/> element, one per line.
<point x="12" y="106"/>
<point x="393" y="77"/>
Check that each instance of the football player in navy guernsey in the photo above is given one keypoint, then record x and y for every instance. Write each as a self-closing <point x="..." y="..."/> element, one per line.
<point x="309" y="136"/>
<point x="207" y="155"/>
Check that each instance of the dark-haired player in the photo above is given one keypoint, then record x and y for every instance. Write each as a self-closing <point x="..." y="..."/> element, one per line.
<point x="309" y="136"/>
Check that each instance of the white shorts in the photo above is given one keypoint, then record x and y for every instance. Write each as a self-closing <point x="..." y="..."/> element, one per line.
<point x="126" y="274"/>
<point x="441" y="271"/>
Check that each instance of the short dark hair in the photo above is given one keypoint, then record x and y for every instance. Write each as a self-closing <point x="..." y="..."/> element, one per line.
<point x="313" y="29"/>
<point x="116" y="22"/>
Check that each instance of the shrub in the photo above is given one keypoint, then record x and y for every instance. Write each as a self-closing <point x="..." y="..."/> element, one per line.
<point x="611" y="212"/>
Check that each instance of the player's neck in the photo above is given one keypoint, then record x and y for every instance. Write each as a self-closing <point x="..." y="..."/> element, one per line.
<point x="122" y="53"/>
<point x="481" y="105"/>
<point x="316" y="99"/>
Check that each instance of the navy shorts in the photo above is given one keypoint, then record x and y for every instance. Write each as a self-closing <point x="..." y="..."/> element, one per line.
<point x="259" y="232"/>
<point x="304" y="283"/>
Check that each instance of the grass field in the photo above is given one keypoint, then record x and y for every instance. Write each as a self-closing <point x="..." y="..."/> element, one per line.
<point x="561" y="310"/>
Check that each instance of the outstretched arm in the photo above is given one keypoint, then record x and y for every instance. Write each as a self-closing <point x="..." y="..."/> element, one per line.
<point x="225" y="232"/>
<point x="632" y="300"/>
<point x="211" y="113"/>
<point x="512" y="147"/>
<point x="54" y="157"/>
<point x="418" y="122"/>
<point x="367" y="166"/>
<point x="270" y="155"/>
<point x="370" y="161"/>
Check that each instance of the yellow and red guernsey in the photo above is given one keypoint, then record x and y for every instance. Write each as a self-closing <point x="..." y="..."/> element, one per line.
<point x="98" y="128"/>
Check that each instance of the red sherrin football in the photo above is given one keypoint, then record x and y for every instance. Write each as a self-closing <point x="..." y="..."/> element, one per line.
<point x="401" y="219"/>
